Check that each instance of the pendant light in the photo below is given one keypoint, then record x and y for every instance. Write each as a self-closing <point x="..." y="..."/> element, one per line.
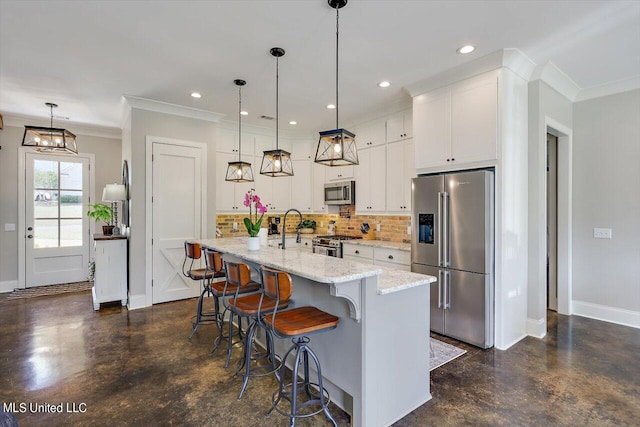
<point x="239" y="171"/>
<point x="276" y="162"/>
<point x="337" y="147"/>
<point x="50" y="140"/>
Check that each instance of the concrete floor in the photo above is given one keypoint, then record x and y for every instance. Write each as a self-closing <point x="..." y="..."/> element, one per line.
<point x="138" y="368"/>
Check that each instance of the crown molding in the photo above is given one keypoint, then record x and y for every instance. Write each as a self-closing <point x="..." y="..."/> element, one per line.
<point x="557" y="79"/>
<point x="611" y="88"/>
<point x="260" y="130"/>
<point x="512" y="59"/>
<point x="173" y="109"/>
<point x="20" y="120"/>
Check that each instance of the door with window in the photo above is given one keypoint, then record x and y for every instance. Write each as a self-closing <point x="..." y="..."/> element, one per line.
<point x="56" y="224"/>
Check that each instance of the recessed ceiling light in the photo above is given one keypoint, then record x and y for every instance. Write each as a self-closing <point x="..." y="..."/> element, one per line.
<point x="331" y="106"/>
<point x="196" y="95"/>
<point x="293" y="122"/>
<point x="466" y="49"/>
<point x="384" y="84"/>
<point x="244" y="113"/>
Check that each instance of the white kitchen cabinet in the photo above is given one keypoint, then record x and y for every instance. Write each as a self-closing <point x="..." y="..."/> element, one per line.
<point x="397" y="259"/>
<point x="110" y="278"/>
<point x="457" y="125"/>
<point x="227" y="142"/>
<point x="303" y="149"/>
<point x="230" y="195"/>
<point x="371" y="133"/>
<point x="266" y="143"/>
<point x="400" y="126"/>
<point x="318" y="188"/>
<point x="371" y="181"/>
<point x="275" y="191"/>
<point x="306" y="244"/>
<point x="338" y="173"/>
<point x="301" y="197"/>
<point x="400" y="170"/>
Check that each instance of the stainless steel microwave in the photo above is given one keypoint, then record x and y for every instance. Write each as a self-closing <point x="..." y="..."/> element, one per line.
<point x="340" y="193"/>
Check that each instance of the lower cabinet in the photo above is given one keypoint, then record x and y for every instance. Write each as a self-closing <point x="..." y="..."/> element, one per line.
<point x="110" y="278"/>
<point x="385" y="257"/>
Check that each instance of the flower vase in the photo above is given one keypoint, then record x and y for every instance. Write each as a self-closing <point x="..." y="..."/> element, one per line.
<point x="253" y="243"/>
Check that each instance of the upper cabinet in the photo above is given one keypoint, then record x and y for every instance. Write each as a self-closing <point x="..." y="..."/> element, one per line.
<point x="318" y="187"/>
<point x="400" y="126"/>
<point x="227" y="142"/>
<point x="229" y="195"/>
<point x="457" y="125"/>
<point x="370" y="134"/>
<point x="338" y="173"/>
<point x="400" y="170"/>
<point x="370" y="180"/>
<point x="301" y="197"/>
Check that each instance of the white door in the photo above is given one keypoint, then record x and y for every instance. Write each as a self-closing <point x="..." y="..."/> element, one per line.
<point x="56" y="224"/>
<point x="177" y="216"/>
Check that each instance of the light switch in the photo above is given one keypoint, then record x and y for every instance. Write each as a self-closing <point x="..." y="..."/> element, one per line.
<point x="377" y="227"/>
<point x="601" y="233"/>
<point x="9" y="227"/>
<point x="409" y="229"/>
<point x="235" y="225"/>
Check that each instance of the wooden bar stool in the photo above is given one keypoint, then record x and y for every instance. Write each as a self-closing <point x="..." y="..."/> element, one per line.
<point x="193" y="252"/>
<point x="238" y="282"/>
<point x="255" y="307"/>
<point x="296" y="324"/>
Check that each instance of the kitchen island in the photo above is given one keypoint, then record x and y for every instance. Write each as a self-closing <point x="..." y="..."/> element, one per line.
<point x="375" y="364"/>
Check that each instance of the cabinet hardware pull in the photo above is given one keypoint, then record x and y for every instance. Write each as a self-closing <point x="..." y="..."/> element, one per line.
<point x="357" y="252"/>
<point x="390" y="256"/>
<point x="453" y="160"/>
<point x="448" y="160"/>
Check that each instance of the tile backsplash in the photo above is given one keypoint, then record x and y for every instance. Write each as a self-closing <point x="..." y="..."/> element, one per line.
<point x="393" y="228"/>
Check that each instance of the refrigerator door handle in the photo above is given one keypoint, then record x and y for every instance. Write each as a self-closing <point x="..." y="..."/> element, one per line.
<point x="447" y="290"/>
<point x="439" y="217"/>
<point x="440" y="278"/>
<point x="445" y="229"/>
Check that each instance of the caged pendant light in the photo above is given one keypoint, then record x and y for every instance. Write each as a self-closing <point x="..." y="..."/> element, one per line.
<point x="239" y="171"/>
<point x="50" y="140"/>
<point x="337" y="147"/>
<point x="276" y="162"/>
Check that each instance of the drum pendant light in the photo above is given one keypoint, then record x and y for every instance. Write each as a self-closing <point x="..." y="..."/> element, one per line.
<point x="276" y="162"/>
<point x="50" y="140"/>
<point x="337" y="147"/>
<point x="239" y="171"/>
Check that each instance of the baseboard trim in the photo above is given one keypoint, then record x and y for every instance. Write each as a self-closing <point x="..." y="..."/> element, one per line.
<point x="515" y="341"/>
<point x="606" y="313"/>
<point x="537" y="327"/>
<point x="137" y="301"/>
<point x="8" y="286"/>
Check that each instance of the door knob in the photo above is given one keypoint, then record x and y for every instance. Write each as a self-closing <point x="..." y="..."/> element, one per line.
<point x="30" y="236"/>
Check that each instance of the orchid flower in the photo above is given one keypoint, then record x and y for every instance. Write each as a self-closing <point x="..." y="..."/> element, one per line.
<point x="252" y="200"/>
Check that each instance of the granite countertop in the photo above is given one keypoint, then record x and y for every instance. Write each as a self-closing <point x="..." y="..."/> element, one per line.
<point x="381" y="244"/>
<point x="321" y="268"/>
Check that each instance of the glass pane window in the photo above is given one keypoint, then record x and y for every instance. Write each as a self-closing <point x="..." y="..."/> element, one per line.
<point x="45" y="174"/>
<point x="45" y="233"/>
<point x="71" y="232"/>
<point x="45" y="203"/>
<point x="71" y="204"/>
<point x="70" y="176"/>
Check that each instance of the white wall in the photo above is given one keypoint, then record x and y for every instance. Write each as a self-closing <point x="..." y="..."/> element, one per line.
<point x="606" y="193"/>
<point x="143" y="123"/>
<point x="544" y="102"/>
<point x="108" y="169"/>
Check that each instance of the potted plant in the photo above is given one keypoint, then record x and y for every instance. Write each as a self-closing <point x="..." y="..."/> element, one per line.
<point x="308" y="226"/>
<point x="102" y="212"/>
<point x="253" y="223"/>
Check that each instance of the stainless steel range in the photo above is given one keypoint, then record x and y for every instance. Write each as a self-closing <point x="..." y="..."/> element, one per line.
<point x="330" y="245"/>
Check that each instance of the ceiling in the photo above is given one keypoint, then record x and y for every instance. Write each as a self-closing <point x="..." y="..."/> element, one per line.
<point x="86" y="55"/>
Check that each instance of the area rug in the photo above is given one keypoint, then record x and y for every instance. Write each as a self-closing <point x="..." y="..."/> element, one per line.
<point x="441" y="353"/>
<point x="41" y="291"/>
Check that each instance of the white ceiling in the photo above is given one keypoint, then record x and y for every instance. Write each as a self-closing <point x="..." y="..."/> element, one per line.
<point x="84" y="55"/>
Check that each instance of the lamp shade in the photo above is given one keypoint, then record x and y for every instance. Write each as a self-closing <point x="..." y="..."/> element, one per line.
<point x="239" y="172"/>
<point x="114" y="193"/>
<point x="276" y="163"/>
<point x="337" y="148"/>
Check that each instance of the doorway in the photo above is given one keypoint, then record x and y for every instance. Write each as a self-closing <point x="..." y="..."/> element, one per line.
<point x="552" y="222"/>
<point x="178" y="187"/>
<point x="55" y="195"/>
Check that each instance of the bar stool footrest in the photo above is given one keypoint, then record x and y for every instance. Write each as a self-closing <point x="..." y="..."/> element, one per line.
<point x="286" y="395"/>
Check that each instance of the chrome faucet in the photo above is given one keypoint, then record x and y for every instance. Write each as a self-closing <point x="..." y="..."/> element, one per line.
<point x="284" y="227"/>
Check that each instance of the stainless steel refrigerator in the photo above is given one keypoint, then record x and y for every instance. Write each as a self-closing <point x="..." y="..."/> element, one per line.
<point x="453" y="240"/>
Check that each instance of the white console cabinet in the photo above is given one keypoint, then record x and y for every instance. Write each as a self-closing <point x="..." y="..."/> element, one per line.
<point x="110" y="278"/>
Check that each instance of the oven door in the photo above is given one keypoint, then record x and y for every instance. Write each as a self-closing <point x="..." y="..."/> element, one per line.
<point x="325" y="250"/>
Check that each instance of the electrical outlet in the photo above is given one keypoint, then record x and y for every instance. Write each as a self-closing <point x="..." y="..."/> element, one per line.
<point x="601" y="233"/>
<point x="235" y="225"/>
<point x="9" y="227"/>
<point x="408" y="229"/>
<point x="321" y="223"/>
<point x="377" y="227"/>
